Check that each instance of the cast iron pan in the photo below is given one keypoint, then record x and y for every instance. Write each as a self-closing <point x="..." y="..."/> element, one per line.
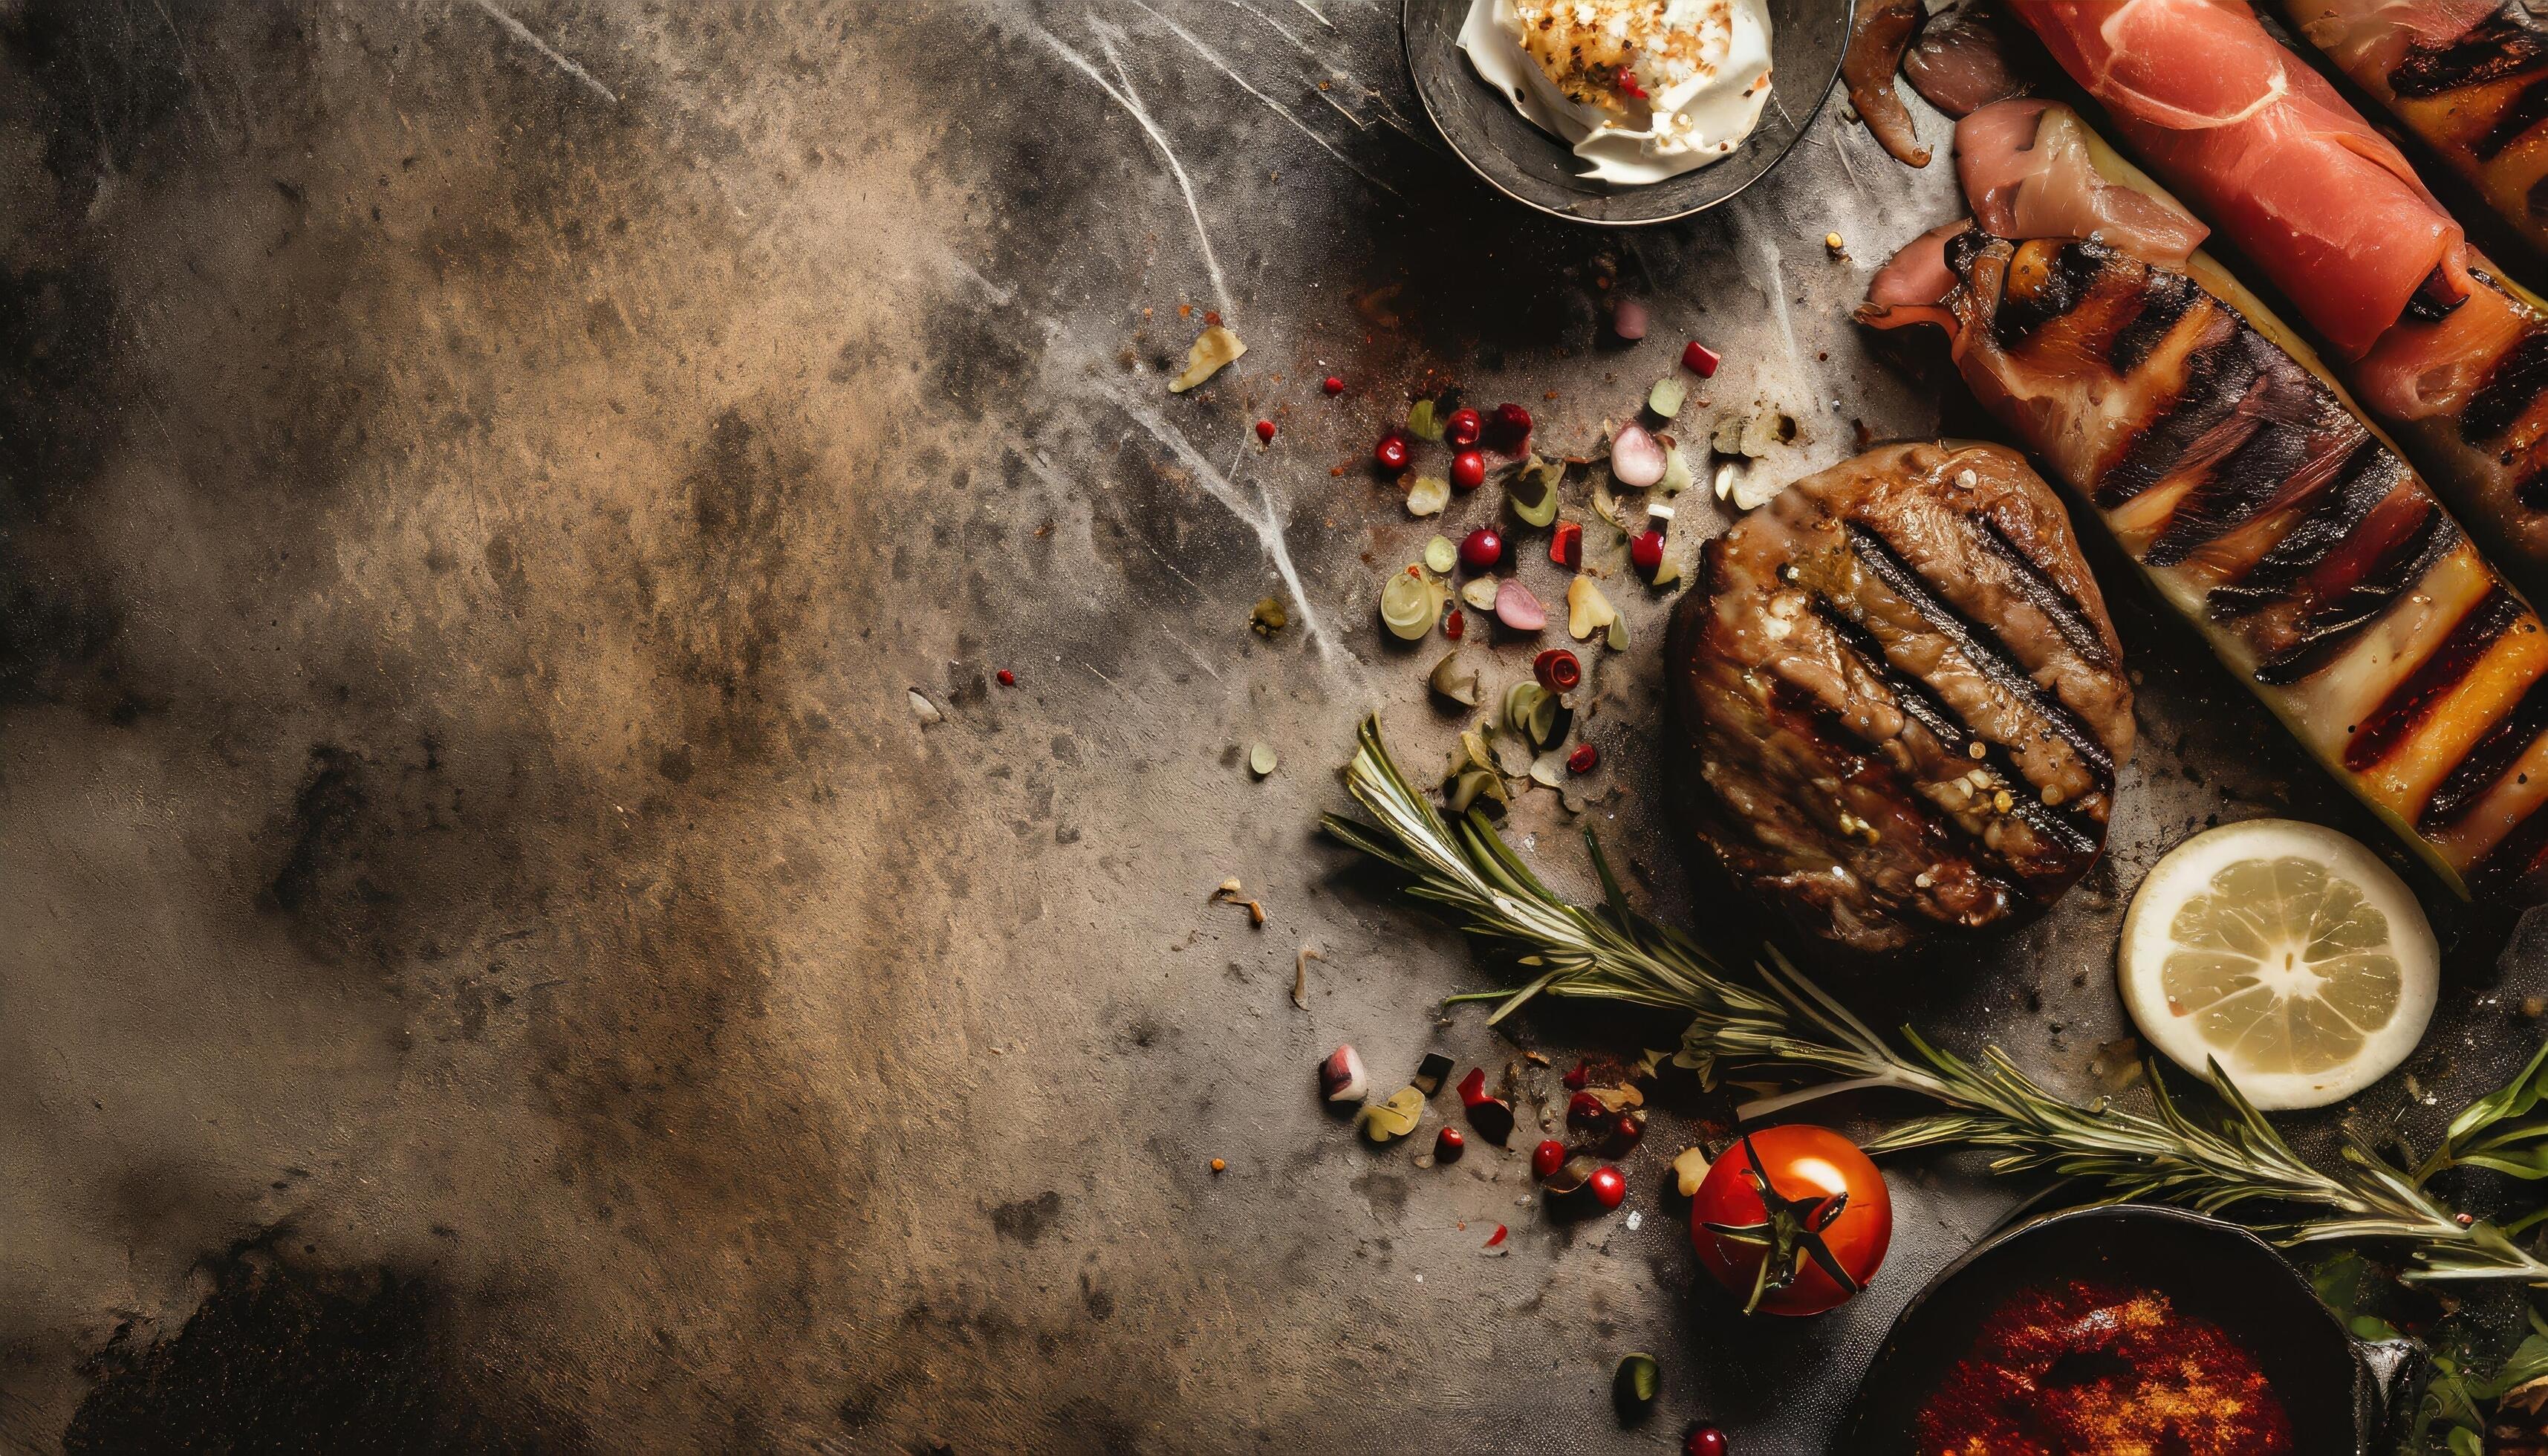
<point x="1526" y="164"/>
<point x="2336" y="1388"/>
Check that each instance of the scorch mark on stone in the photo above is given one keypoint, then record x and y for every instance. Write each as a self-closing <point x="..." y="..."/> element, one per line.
<point x="1280" y="110"/>
<point x="523" y="32"/>
<point x="1130" y="99"/>
<point x="1260" y="516"/>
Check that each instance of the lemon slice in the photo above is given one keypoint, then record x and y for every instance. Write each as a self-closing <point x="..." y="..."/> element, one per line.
<point x="2284" y="951"/>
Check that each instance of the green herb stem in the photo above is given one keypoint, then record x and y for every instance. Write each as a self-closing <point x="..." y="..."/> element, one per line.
<point x="1777" y="1023"/>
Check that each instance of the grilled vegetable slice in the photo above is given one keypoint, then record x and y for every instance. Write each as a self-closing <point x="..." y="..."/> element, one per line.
<point x="2271" y="515"/>
<point x="2432" y="341"/>
<point x="1901" y="696"/>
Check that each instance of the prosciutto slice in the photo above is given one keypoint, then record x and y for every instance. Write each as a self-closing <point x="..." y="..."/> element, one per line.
<point x="2027" y="169"/>
<point x="2263" y="146"/>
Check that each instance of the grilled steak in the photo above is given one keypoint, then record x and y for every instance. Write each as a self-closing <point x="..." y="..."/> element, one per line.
<point x="1902" y="695"/>
<point x="2261" y="505"/>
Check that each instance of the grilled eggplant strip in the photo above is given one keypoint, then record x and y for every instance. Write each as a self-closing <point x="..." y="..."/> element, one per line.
<point x="2332" y="583"/>
<point x="1902" y="697"/>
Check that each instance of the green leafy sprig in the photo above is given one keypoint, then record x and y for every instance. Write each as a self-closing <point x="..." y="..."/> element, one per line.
<point x="1774" y="1022"/>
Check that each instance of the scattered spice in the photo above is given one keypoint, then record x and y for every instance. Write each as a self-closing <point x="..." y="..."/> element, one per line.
<point x="1496" y="1238"/>
<point x="1301" y="959"/>
<point x="1213" y="349"/>
<point x="1832" y="241"/>
<point x="1265" y="430"/>
<point x="1340" y="1076"/>
<point x="1516" y="608"/>
<point x="1008" y="678"/>
<point x="1334" y="384"/>
<point x="1218" y="1166"/>
<point x="1583" y="760"/>
<point x="1391" y="453"/>
<point x="1268" y="617"/>
<point x="1638" y="1381"/>
<point x="1230" y="891"/>
<point x="1468" y="470"/>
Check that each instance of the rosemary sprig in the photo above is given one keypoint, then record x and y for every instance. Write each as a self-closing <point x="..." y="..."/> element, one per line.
<point x="1779" y="1023"/>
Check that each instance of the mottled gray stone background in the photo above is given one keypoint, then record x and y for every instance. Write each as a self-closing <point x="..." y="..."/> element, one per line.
<point x="489" y="956"/>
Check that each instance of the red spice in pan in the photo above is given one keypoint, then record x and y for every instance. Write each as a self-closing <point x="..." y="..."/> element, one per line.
<point x="2102" y="1367"/>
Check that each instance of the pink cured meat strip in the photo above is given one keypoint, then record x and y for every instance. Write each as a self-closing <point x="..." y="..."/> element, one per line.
<point x="2265" y="148"/>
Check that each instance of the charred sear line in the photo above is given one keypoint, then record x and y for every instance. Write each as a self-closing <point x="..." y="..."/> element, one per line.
<point x="2489" y="759"/>
<point x="2065" y="285"/>
<point x="2435" y="300"/>
<point x="1982" y="648"/>
<point x="2296" y="430"/>
<point x="2043" y="594"/>
<point x="2362" y="481"/>
<point x="2216" y="378"/>
<point x="2509" y="391"/>
<point x="2410" y="702"/>
<point x="2512" y="858"/>
<point x="1921" y="703"/>
<point x="2528" y="108"/>
<point x="2532" y="491"/>
<point x="2332" y="628"/>
<point x="2495" y="49"/>
<point x="2165" y="296"/>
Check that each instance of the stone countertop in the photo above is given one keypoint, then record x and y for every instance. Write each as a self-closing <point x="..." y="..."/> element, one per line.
<point x="495" y="958"/>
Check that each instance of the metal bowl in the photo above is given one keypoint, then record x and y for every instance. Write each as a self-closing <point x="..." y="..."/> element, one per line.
<point x="2336" y="1388"/>
<point x="1534" y="169"/>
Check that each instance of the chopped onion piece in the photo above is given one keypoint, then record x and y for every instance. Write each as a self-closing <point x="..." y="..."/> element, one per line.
<point x="1636" y="457"/>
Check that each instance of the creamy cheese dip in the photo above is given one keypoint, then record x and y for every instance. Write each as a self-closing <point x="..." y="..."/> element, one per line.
<point x="1641" y="89"/>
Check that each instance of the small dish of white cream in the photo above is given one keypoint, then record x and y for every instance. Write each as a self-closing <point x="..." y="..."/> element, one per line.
<point x="1640" y="90"/>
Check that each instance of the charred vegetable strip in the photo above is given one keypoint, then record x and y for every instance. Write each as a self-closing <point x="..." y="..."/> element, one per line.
<point x="2277" y="521"/>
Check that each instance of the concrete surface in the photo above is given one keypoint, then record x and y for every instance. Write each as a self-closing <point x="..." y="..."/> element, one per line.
<point x="489" y="956"/>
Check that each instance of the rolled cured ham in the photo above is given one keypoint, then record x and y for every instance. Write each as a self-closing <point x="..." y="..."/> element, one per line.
<point x="2442" y="352"/>
<point x="2468" y="76"/>
<point x="2227" y="465"/>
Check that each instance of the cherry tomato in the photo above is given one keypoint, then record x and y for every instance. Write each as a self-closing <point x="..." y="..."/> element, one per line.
<point x="1793" y="1219"/>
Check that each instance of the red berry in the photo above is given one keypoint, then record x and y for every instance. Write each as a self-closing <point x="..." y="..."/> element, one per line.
<point x="1463" y="427"/>
<point x="1583" y="758"/>
<point x="1577" y="1076"/>
<point x="1468" y="470"/>
<point x="1512" y="428"/>
<point x="1586" y="1111"/>
<point x="1333" y="385"/>
<point x="1454" y="625"/>
<point x="1480" y="548"/>
<point x="1699" y="359"/>
<point x="1391" y="453"/>
<point x="1448" y="1145"/>
<point x="1703" y="1439"/>
<point x="1646" y="551"/>
<point x="1265" y="430"/>
<point x="1566" y="546"/>
<point x="1607" y="1186"/>
<point x="1559" y="671"/>
<point x="1625" y="1133"/>
<point x="1008" y="678"/>
<point x="1547" y="1158"/>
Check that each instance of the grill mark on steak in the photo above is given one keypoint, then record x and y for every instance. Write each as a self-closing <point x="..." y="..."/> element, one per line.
<point x="1921" y="703"/>
<point x="2043" y="592"/>
<point x="1979" y="646"/>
